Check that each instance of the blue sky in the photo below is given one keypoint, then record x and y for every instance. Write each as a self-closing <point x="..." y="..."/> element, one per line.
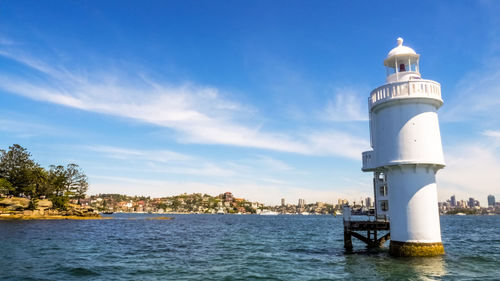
<point x="266" y="99"/>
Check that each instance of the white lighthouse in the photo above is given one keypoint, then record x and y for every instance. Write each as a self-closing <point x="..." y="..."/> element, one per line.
<point x="407" y="153"/>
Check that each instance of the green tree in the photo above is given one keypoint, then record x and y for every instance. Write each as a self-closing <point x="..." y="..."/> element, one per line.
<point x="76" y="182"/>
<point x="41" y="182"/>
<point x="59" y="202"/>
<point x="15" y="166"/>
<point x="57" y="181"/>
<point x="38" y="181"/>
<point x="5" y="186"/>
<point x="38" y="184"/>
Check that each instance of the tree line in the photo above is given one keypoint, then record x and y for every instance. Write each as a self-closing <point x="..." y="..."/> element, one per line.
<point x="20" y="175"/>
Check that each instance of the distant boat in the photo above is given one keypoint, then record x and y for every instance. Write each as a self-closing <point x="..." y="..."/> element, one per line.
<point x="107" y="213"/>
<point x="460" y="214"/>
<point x="220" y="211"/>
<point x="268" y="213"/>
<point x="305" y="213"/>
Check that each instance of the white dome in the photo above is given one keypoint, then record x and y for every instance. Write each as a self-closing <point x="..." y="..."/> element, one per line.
<point x="401" y="50"/>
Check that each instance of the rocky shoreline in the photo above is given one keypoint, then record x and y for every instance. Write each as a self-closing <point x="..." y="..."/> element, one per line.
<point x="50" y="217"/>
<point x="16" y="208"/>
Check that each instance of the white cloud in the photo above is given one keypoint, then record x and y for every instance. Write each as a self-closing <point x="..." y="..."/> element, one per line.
<point x="494" y="135"/>
<point x="199" y="114"/>
<point x="347" y="105"/>
<point x="162" y="162"/>
<point x="473" y="166"/>
<point x="472" y="170"/>
<point x="270" y="163"/>
<point x="165" y="156"/>
<point x="476" y="97"/>
<point x="337" y="143"/>
<point x="24" y="129"/>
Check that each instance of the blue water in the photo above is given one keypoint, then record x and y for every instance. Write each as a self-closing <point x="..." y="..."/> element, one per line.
<point x="232" y="247"/>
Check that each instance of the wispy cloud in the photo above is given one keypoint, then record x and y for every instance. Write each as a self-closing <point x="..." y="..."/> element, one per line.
<point x="164" y="162"/>
<point x="165" y="156"/>
<point x="346" y="105"/>
<point x="476" y="97"/>
<point x="199" y="114"/>
<point x="471" y="170"/>
<point x="273" y="163"/>
<point x="23" y="129"/>
<point x="494" y="135"/>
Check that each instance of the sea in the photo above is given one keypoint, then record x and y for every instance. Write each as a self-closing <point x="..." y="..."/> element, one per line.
<point x="234" y="247"/>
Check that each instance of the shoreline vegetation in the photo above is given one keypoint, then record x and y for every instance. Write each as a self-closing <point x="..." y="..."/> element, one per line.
<point x="29" y="191"/>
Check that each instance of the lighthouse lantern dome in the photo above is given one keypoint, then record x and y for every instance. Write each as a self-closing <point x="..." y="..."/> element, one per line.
<point x="401" y="63"/>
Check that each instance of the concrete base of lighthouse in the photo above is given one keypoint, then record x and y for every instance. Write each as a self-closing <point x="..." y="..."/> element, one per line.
<point x="413" y="249"/>
<point x="413" y="208"/>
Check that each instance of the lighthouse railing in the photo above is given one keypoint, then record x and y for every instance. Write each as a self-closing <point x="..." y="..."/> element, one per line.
<point x="412" y="88"/>
<point x="368" y="161"/>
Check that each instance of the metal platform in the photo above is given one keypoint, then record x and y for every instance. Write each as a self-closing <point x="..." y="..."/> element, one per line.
<point x="372" y="228"/>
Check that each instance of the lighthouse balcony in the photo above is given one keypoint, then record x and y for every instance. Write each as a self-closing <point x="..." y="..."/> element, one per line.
<point x="368" y="161"/>
<point x="418" y="88"/>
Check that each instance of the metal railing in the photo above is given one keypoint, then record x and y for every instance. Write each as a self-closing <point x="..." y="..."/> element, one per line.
<point x="412" y="88"/>
<point x="368" y="160"/>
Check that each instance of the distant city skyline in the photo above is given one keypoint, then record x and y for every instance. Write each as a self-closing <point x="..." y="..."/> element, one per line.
<point x="267" y="100"/>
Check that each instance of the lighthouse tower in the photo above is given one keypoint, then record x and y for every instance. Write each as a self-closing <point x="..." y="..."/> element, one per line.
<point x="407" y="153"/>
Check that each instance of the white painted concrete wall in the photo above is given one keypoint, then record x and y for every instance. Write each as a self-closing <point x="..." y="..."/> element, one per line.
<point x="407" y="132"/>
<point x="413" y="206"/>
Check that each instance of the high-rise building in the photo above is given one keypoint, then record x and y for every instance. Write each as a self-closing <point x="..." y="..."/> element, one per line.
<point x="302" y="203"/>
<point x="491" y="201"/>
<point x="453" y="201"/>
<point x="470" y="203"/>
<point x="368" y="202"/>
<point x="282" y="202"/>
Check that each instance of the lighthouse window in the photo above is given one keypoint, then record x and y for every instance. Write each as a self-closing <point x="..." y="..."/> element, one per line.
<point x="383" y="190"/>
<point x="384" y="205"/>
<point x="390" y="70"/>
<point x="413" y="67"/>
<point x="381" y="177"/>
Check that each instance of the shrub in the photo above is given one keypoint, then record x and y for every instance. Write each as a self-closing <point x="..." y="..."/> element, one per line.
<point x="60" y="202"/>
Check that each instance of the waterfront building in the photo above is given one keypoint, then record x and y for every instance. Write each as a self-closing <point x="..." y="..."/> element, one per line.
<point x="407" y="153"/>
<point x="453" y="201"/>
<point x="227" y="197"/>
<point x="491" y="201"/>
<point x="472" y="203"/>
